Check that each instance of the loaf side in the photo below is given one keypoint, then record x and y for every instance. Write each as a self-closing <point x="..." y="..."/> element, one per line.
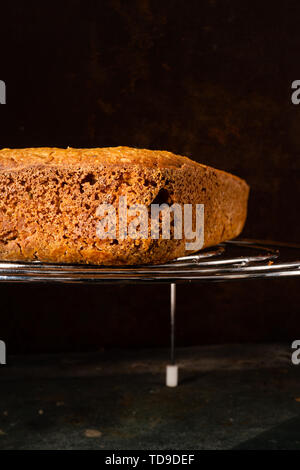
<point x="50" y="197"/>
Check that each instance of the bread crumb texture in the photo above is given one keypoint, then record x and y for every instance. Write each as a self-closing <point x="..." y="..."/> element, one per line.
<point x="50" y="197"/>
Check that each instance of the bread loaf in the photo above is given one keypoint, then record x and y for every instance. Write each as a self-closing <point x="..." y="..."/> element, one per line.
<point x="50" y="197"/>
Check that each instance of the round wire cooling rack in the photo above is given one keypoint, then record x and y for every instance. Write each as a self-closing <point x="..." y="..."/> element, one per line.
<point x="233" y="260"/>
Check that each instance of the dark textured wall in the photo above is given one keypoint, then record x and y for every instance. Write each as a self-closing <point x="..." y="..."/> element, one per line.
<point x="211" y="80"/>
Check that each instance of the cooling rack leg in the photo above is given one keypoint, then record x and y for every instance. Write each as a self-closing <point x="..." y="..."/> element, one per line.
<point x="172" y="368"/>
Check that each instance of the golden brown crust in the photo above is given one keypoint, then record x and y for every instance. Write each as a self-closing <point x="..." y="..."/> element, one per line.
<point x="109" y="156"/>
<point x="50" y="197"/>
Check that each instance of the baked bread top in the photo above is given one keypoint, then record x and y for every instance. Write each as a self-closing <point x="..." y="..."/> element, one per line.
<point x="107" y="156"/>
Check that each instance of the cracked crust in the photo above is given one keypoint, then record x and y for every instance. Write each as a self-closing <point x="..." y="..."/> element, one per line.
<point x="50" y="197"/>
<point x="109" y="156"/>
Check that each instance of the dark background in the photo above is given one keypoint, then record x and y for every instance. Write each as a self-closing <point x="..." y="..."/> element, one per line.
<point x="209" y="79"/>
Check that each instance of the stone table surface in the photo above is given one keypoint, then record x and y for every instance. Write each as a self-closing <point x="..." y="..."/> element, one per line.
<point x="229" y="397"/>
